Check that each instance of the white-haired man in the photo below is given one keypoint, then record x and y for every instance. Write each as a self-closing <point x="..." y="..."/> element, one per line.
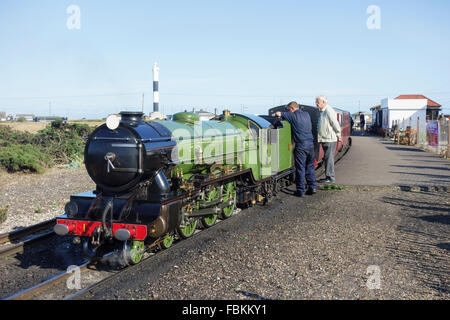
<point x="329" y="133"/>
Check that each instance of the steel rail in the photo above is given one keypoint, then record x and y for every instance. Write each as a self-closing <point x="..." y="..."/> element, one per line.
<point x="14" y="242"/>
<point x="18" y="234"/>
<point x="38" y="289"/>
<point x="9" y="250"/>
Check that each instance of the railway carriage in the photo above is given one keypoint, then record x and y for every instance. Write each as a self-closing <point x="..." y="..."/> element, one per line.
<point x="159" y="180"/>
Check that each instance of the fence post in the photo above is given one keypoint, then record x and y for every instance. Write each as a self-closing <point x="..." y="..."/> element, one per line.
<point x="418" y="123"/>
<point x="448" y="138"/>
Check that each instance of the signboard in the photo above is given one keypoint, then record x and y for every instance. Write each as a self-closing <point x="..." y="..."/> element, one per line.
<point x="433" y="133"/>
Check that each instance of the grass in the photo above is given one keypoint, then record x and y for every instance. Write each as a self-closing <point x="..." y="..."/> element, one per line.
<point x="35" y="127"/>
<point x="332" y="187"/>
<point x="3" y="213"/>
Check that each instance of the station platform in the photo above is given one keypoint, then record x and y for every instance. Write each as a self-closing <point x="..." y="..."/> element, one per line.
<point x="375" y="161"/>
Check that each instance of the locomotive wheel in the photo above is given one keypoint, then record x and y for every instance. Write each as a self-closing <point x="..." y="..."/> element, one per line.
<point x="188" y="230"/>
<point x="133" y="251"/>
<point x="167" y="242"/>
<point x="209" y="221"/>
<point x="229" y="192"/>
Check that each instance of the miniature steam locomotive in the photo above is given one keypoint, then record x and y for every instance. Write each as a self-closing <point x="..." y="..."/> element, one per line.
<point x="157" y="180"/>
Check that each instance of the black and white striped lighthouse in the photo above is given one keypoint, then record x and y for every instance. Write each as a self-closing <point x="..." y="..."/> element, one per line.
<point x="155" y="87"/>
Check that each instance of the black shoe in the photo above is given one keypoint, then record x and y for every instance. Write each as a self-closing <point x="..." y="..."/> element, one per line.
<point x="311" y="191"/>
<point x="298" y="194"/>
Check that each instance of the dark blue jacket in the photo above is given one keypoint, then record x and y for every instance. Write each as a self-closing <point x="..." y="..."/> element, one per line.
<point x="301" y="126"/>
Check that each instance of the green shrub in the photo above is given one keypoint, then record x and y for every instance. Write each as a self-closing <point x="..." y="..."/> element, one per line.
<point x="23" y="157"/>
<point x="58" y="143"/>
<point x="62" y="141"/>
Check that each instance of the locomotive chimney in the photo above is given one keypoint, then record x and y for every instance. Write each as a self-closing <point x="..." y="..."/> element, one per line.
<point x="131" y="116"/>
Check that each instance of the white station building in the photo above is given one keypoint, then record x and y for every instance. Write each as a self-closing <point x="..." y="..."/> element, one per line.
<point x="408" y="110"/>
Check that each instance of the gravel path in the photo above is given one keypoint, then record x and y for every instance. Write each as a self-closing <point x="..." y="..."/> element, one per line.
<point x="320" y="247"/>
<point x="33" y="198"/>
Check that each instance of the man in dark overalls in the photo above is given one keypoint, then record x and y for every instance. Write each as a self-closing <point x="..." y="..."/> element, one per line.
<point x="304" y="147"/>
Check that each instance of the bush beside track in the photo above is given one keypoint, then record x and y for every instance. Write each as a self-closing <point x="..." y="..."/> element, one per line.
<point x="57" y="144"/>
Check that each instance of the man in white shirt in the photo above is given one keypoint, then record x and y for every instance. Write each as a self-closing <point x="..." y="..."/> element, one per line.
<point x="329" y="133"/>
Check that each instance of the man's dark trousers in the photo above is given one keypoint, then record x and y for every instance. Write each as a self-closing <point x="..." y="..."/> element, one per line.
<point x="304" y="166"/>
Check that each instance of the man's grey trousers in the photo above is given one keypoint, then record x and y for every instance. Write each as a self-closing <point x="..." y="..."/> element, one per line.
<point x="328" y="160"/>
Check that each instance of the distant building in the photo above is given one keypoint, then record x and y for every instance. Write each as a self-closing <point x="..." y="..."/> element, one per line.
<point x="156" y="115"/>
<point x="433" y="107"/>
<point x="48" y="118"/>
<point x="408" y="110"/>
<point x="2" y="116"/>
<point x="377" y="118"/>
<point x="367" y="118"/>
<point x="26" y="117"/>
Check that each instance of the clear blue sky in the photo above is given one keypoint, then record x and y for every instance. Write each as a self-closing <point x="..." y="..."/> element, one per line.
<point x="224" y="54"/>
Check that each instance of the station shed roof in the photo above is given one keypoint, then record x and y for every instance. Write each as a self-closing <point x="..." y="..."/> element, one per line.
<point x="430" y="103"/>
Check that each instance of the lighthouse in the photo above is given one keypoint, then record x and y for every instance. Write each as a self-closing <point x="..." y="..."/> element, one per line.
<point x="155" y="87"/>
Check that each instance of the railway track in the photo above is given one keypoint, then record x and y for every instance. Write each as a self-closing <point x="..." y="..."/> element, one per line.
<point x="14" y="242"/>
<point x="91" y="275"/>
<point x="63" y="285"/>
<point x="42" y="288"/>
<point x="177" y="241"/>
<point x="58" y="288"/>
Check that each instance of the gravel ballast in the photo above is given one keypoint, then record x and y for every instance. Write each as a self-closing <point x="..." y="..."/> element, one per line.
<point x="33" y="198"/>
<point x="328" y="246"/>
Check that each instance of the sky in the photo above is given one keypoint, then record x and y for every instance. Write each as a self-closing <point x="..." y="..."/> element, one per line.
<point x="247" y="55"/>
